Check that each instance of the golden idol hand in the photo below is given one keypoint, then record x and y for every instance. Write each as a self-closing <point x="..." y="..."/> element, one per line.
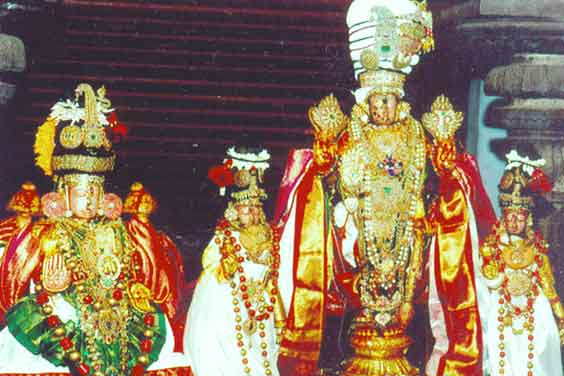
<point x="55" y="275"/>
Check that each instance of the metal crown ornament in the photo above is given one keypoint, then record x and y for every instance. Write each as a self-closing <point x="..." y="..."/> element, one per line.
<point x="386" y="39"/>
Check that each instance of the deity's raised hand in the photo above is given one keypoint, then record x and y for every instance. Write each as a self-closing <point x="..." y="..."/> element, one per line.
<point x="442" y="123"/>
<point x="56" y="277"/>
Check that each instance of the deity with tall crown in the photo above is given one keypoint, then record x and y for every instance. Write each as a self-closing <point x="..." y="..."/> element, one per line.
<point x="83" y="294"/>
<point x="359" y="197"/>
<point x="237" y="312"/>
<point x="524" y="327"/>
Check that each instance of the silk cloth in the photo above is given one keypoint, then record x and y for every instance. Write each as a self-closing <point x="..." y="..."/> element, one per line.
<point x="457" y="294"/>
<point x="301" y="195"/>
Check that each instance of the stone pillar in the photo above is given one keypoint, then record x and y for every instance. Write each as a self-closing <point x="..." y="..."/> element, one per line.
<point x="12" y="63"/>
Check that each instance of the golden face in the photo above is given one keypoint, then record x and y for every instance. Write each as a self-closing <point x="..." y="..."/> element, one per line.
<point x="382" y="108"/>
<point x="515" y="220"/>
<point x="84" y="199"/>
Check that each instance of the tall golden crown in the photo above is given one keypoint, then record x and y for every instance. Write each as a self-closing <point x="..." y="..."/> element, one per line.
<point x="73" y="139"/>
<point x="386" y="39"/>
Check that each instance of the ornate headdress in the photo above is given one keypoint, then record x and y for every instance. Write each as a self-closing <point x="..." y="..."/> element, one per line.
<point x="243" y="169"/>
<point x="75" y="138"/>
<point x="386" y="38"/>
<point x="521" y="181"/>
<point x="25" y="201"/>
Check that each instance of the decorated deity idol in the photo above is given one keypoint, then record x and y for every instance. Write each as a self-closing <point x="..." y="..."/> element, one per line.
<point x="236" y="312"/>
<point x="359" y="197"/>
<point x="525" y="325"/>
<point x="76" y="295"/>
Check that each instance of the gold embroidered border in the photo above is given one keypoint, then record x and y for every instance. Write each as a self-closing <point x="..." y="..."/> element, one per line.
<point x="83" y="163"/>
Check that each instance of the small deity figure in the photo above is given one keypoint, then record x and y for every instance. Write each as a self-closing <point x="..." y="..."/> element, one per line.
<point x="522" y="336"/>
<point x="361" y="214"/>
<point x="236" y="311"/>
<point x="76" y="297"/>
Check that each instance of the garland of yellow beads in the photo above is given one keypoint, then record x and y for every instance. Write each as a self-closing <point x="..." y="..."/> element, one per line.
<point x="240" y="294"/>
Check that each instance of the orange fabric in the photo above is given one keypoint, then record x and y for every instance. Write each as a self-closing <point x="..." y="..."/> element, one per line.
<point x="454" y="273"/>
<point x="162" y="272"/>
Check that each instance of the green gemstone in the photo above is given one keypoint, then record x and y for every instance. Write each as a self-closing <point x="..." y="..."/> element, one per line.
<point x="387" y="190"/>
<point x="386" y="48"/>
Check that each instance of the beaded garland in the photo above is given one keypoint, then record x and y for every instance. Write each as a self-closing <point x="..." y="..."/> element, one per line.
<point x="257" y="312"/>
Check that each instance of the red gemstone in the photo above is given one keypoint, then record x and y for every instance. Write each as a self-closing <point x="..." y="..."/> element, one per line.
<point x="245" y="360"/>
<point x="146" y="345"/>
<point x="237" y="247"/>
<point x="245" y="296"/>
<point x="87" y="299"/>
<point x="53" y="321"/>
<point x="502" y="354"/>
<point x="247" y="304"/>
<point x="42" y="298"/>
<point x="66" y="343"/>
<point x="264" y="354"/>
<point x="252" y="312"/>
<point x="149" y="319"/>
<point x="242" y="278"/>
<point x="266" y="316"/>
<point x="531" y="356"/>
<point x="227" y="232"/>
<point x="274" y="291"/>
<point x="83" y="369"/>
<point x="243" y="287"/>
<point x="240" y="259"/>
<point x="121" y="276"/>
<point x="118" y="294"/>
<point x="270" y="308"/>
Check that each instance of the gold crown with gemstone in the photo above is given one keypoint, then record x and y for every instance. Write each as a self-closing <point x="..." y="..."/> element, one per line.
<point x="388" y="36"/>
<point x="74" y="138"/>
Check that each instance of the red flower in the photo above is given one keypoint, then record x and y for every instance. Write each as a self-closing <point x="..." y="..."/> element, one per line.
<point x="118" y="294"/>
<point x="42" y="298"/>
<point x="221" y="176"/>
<point x="540" y="183"/>
<point x="149" y="319"/>
<point x="118" y="130"/>
<point x="146" y="345"/>
<point x="66" y="343"/>
<point x="83" y="369"/>
<point x="53" y="321"/>
<point x="138" y="370"/>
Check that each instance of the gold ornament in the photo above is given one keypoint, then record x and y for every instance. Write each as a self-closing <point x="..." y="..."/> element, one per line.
<point x="442" y="122"/>
<point x="71" y="137"/>
<point x="327" y="119"/>
<point x="83" y="163"/>
<point x="141" y="297"/>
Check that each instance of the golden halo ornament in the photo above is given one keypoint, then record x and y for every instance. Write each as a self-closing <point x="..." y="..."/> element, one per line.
<point x="71" y="137"/>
